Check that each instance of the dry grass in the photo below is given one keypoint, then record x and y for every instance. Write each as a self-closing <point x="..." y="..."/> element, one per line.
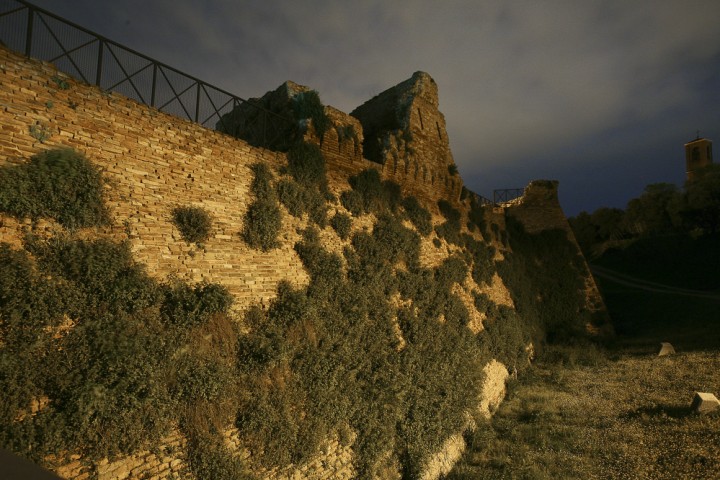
<point x="624" y="418"/>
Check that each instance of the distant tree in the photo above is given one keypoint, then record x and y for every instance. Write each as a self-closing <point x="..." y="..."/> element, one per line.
<point x="650" y="214"/>
<point x="584" y="230"/>
<point x="700" y="204"/>
<point x="609" y="223"/>
<point x="592" y="230"/>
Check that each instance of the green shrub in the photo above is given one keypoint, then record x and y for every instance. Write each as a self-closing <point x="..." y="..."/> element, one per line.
<point x="209" y="458"/>
<point x="262" y="220"/>
<point x="342" y="223"/>
<point x="345" y="133"/>
<point x="418" y="215"/>
<point x="194" y="223"/>
<point x="291" y="195"/>
<point x="307" y="165"/>
<point x="308" y="105"/>
<point x="112" y="378"/>
<point x="188" y="305"/>
<point x="371" y="194"/>
<point x="101" y="271"/>
<point x="60" y="184"/>
<point x="545" y="274"/>
<point x="450" y="230"/>
<point x="353" y="202"/>
<point x="308" y="192"/>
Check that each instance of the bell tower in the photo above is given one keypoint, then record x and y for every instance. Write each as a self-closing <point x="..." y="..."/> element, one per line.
<point x="698" y="154"/>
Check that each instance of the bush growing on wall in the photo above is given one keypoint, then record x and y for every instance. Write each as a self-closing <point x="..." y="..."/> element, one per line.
<point x="194" y="223"/>
<point x="308" y="105"/>
<point x="418" y="215"/>
<point x="342" y="223"/>
<point x="545" y="275"/>
<point x="450" y="230"/>
<point x="115" y="358"/>
<point x="262" y="220"/>
<point x="329" y="352"/>
<point x="371" y="194"/>
<point x="60" y="184"/>
<point x="307" y="191"/>
<point x="110" y="376"/>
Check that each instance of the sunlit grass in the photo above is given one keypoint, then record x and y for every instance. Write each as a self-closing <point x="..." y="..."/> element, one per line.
<point x="628" y="418"/>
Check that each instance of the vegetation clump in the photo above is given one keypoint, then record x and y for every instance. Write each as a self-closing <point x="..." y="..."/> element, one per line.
<point x="330" y="351"/>
<point x="450" y="229"/>
<point x="262" y="220"/>
<point x="308" y="105"/>
<point x="342" y="223"/>
<point x="107" y="346"/>
<point x="194" y="223"/>
<point x="371" y="194"/>
<point x="307" y="192"/>
<point x="418" y="215"/>
<point x="60" y="184"/>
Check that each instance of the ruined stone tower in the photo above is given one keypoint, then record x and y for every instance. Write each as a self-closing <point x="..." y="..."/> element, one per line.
<point x="405" y="132"/>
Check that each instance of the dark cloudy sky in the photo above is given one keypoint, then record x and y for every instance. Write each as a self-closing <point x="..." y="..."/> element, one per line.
<point x="600" y="95"/>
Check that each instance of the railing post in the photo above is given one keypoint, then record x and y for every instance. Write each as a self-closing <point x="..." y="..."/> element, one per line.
<point x="197" y="103"/>
<point x="98" y="75"/>
<point x="28" y="34"/>
<point x="154" y="83"/>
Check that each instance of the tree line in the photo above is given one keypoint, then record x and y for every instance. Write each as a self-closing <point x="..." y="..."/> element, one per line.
<point x="661" y="209"/>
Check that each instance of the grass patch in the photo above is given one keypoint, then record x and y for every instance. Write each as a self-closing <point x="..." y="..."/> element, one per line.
<point x="600" y="418"/>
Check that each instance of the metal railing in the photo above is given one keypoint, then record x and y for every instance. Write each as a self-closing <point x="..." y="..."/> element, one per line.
<point x="482" y="201"/>
<point x="507" y="195"/>
<point x="97" y="60"/>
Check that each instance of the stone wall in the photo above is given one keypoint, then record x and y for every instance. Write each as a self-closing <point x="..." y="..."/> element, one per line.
<point x="153" y="162"/>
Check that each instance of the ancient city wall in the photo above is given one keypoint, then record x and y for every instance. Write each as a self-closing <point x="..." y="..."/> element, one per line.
<point x="153" y="162"/>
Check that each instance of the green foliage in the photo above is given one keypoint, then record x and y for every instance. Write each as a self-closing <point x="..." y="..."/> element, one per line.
<point x="307" y="192"/>
<point x="371" y="194"/>
<point x="452" y="169"/>
<point x="450" y="229"/>
<point x="506" y="335"/>
<point x="325" y="358"/>
<point x="59" y="184"/>
<point x="307" y="165"/>
<point x="209" y="458"/>
<point x="545" y="274"/>
<point x="346" y="133"/>
<point x="649" y="214"/>
<point x="262" y="220"/>
<point x="342" y="223"/>
<point x="699" y="207"/>
<point x="308" y="105"/>
<point x="661" y="210"/>
<point x="189" y="306"/>
<point x="61" y="83"/>
<point x="353" y="202"/>
<point x="194" y="223"/>
<point x="111" y="375"/>
<point x="40" y="132"/>
<point x="418" y="215"/>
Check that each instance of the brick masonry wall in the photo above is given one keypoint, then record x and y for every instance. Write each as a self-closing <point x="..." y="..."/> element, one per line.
<point x="153" y="162"/>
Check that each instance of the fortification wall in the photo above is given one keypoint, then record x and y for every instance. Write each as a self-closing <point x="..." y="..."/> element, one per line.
<point x="154" y="162"/>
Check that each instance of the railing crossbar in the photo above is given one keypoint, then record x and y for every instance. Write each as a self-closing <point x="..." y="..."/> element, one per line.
<point x="128" y="77"/>
<point x="177" y="95"/>
<point x="68" y="52"/>
<point x="62" y="47"/>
